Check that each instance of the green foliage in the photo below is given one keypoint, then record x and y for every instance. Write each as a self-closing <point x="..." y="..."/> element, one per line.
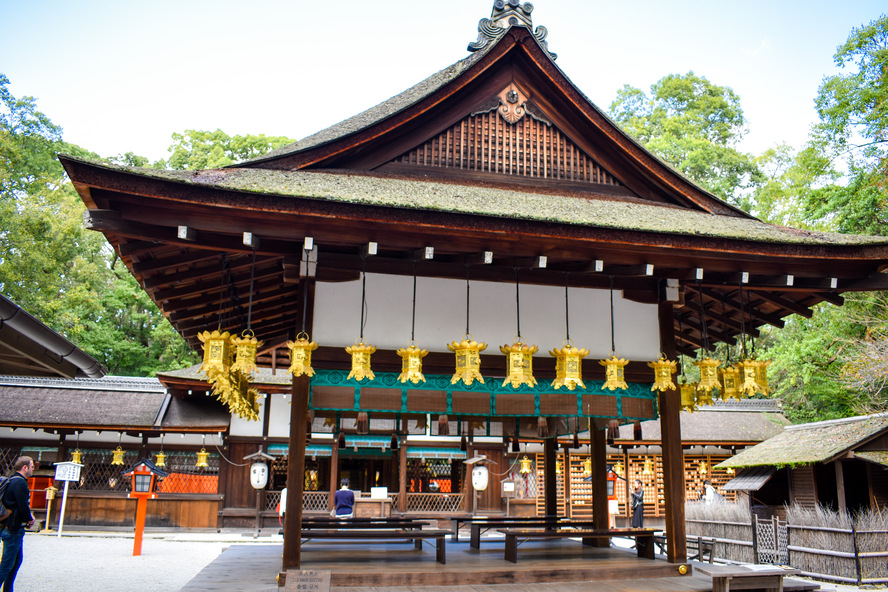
<point x="58" y="271"/>
<point x="694" y="125"/>
<point x="195" y="150"/>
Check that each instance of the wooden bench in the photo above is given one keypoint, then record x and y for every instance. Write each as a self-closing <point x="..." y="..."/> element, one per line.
<point x="368" y="523"/>
<point x="746" y="577"/>
<point x="478" y="527"/>
<point x="644" y="538"/>
<point x="507" y="520"/>
<point x="354" y="534"/>
<point x="697" y="546"/>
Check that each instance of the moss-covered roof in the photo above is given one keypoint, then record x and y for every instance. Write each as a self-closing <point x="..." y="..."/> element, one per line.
<point x="875" y="456"/>
<point x="377" y="113"/>
<point x="717" y="426"/>
<point x="394" y="192"/>
<point x="811" y="443"/>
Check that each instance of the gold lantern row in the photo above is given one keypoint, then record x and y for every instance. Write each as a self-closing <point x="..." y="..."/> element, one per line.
<point x="744" y="379"/>
<point x="663" y="371"/>
<point x="229" y="362"/>
<point x="614" y="373"/>
<point x="117" y="459"/>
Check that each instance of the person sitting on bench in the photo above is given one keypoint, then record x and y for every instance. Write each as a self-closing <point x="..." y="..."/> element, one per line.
<point x="344" y="501"/>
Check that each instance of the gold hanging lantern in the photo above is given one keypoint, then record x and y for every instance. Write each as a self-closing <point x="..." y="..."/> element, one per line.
<point x="525" y="465"/>
<point x="360" y="354"/>
<point x="217" y="352"/>
<point x="748" y="384"/>
<point x="568" y="366"/>
<point x="118" y="456"/>
<point x="704" y="397"/>
<point x="663" y="371"/>
<point x="688" y="397"/>
<point x="246" y="345"/>
<point x="76" y="456"/>
<point x="730" y="377"/>
<point x="702" y="468"/>
<point x="708" y="374"/>
<point x="202" y="457"/>
<point x="300" y="355"/>
<point x="730" y="470"/>
<point x="558" y="467"/>
<point x="613" y="373"/>
<point x="587" y="466"/>
<point x="761" y="376"/>
<point x="160" y="459"/>
<point x="468" y="360"/>
<point x="648" y="467"/>
<point x="519" y="364"/>
<point x="411" y="363"/>
<point x="618" y="469"/>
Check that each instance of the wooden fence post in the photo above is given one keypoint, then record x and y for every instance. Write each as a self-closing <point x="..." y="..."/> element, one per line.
<point x="755" y="545"/>
<point x="856" y="553"/>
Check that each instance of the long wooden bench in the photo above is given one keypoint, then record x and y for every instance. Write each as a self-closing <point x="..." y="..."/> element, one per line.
<point x="477" y="528"/>
<point x="500" y="520"/>
<point x="644" y="538"/>
<point x="369" y="523"/>
<point x="417" y="536"/>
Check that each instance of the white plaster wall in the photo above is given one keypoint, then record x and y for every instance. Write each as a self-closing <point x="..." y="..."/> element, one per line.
<point x="279" y="422"/>
<point x="441" y="316"/>
<point x="246" y="427"/>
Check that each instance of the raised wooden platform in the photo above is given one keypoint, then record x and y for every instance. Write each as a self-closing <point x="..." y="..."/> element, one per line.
<point x="372" y="567"/>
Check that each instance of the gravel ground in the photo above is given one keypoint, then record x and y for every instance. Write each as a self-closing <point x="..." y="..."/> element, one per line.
<point x="93" y="562"/>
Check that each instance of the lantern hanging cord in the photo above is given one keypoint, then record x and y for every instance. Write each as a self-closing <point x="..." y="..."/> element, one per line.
<point x="681" y="365"/>
<point x="222" y="288"/>
<point x="566" y="307"/>
<point x="413" y="317"/>
<point x="467" y="298"/>
<point x="252" y="278"/>
<point x="517" y="306"/>
<point x="226" y="459"/>
<point x="363" y="290"/>
<point x="727" y="345"/>
<point x="613" y="337"/>
<point x="305" y="255"/>
<point x="704" y="332"/>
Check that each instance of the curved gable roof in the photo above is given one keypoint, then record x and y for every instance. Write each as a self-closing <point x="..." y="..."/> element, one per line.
<point x="372" y="138"/>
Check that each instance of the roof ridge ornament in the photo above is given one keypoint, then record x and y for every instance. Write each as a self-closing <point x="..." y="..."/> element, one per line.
<point x="507" y="14"/>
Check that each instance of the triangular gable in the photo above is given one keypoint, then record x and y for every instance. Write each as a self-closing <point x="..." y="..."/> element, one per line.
<point x="508" y="135"/>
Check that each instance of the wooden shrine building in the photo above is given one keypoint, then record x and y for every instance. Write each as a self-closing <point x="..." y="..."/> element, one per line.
<point x="491" y="202"/>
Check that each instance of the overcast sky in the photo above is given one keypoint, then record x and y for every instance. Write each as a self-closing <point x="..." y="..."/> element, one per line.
<point x="123" y="76"/>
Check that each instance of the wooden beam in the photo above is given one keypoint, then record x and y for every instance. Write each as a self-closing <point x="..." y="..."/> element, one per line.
<point x="728" y="301"/>
<point x="782" y="302"/>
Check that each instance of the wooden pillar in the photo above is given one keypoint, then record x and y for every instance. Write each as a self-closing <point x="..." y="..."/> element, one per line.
<point x="598" y="451"/>
<point x="295" y="474"/>
<point x="673" y="456"/>
<point x="565" y="474"/>
<point x="334" y="472"/>
<point x="402" y="477"/>
<point x="550" y="448"/>
<point x="840" y="486"/>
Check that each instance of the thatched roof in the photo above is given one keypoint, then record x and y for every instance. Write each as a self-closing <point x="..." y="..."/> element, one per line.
<point x="743" y="421"/>
<point x="370" y="189"/>
<point x="106" y="403"/>
<point x="811" y="443"/>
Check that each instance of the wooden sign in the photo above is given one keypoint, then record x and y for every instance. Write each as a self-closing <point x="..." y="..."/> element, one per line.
<point x="308" y="580"/>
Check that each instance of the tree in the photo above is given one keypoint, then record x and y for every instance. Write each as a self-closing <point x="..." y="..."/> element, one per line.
<point x="58" y="271"/>
<point x="853" y="110"/>
<point x="695" y="126"/>
<point x="195" y="150"/>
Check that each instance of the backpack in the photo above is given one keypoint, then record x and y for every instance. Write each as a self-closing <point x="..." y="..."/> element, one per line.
<point x="5" y="511"/>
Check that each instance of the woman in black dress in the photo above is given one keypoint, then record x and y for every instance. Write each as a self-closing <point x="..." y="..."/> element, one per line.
<point x="638" y="505"/>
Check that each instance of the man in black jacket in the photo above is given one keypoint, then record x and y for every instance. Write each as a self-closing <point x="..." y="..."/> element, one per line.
<point x="12" y="531"/>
